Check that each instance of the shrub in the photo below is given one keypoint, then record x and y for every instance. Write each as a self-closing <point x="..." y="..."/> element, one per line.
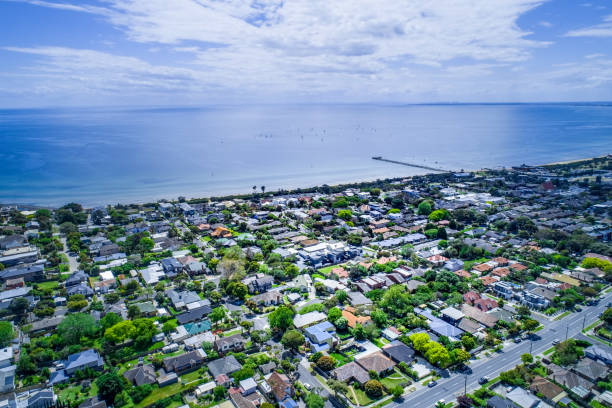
<point x="374" y="388"/>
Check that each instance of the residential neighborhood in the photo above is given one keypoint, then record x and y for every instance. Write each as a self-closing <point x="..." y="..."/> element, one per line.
<point x="359" y="295"/>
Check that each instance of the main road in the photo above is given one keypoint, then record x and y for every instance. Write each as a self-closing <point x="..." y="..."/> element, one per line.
<point x="452" y="386"/>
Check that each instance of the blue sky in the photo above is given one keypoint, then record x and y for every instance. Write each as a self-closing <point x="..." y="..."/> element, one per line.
<point x="201" y="52"/>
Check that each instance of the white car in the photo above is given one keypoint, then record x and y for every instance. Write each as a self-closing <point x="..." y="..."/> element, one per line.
<point x="308" y="386"/>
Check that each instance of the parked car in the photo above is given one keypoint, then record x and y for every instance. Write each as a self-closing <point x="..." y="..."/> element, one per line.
<point x="432" y="384"/>
<point x="483" y="380"/>
<point x="517" y="340"/>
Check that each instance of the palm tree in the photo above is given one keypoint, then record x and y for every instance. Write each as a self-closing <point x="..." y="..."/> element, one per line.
<point x="254" y="189"/>
<point x="263" y="189"/>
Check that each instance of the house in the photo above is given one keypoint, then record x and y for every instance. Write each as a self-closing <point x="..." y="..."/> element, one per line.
<point x="591" y="370"/>
<point x="473" y="313"/>
<point x="142" y="374"/>
<point x="30" y="273"/>
<point x="234" y="342"/>
<point x="146" y="309"/>
<point x="452" y="315"/>
<point x="548" y="390"/>
<point x="185" y="363"/>
<point x="349" y="314"/>
<point x="351" y="372"/>
<point x="599" y="353"/>
<point x="523" y="398"/>
<point x="377" y="362"/>
<point x="268" y="298"/>
<point x="204" y="389"/>
<point x="37" y="398"/>
<point x="193" y="315"/>
<point x="80" y="289"/>
<point x="171" y="266"/>
<point x="500" y="402"/>
<point x="225" y="365"/>
<point x="320" y="336"/>
<point x="77" y="278"/>
<point x="183" y="298"/>
<point x="308" y="319"/>
<point x="470" y="297"/>
<point x="77" y="362"/>
<point x="93" y="402"/>
<point x="358" y="299"/>
<point x="391" y="333"/>
<point x="248" y="386"/>
<point x="281" y="387"/>
<point x="260" y="285"/>
<point x="398" y="352"/>
<point x="7" y="370"/>
<point x="567" y="378"/>
<point x="485" y="304"/>
<point x="503" y="289"/>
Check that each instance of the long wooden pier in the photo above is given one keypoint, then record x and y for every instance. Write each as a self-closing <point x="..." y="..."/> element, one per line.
<point x="420" y="166"/>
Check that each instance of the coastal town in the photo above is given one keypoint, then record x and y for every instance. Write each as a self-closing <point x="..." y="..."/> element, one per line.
<point x="487" y="288"/>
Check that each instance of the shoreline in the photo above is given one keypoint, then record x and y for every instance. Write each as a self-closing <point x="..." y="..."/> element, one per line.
<point x="296" y="189"/>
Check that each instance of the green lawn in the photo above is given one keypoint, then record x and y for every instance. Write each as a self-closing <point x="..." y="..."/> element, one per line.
<point x="393" y="380"/>
<point x="380" y="342"/>
<point x="362" y="397"/>
<point x="48" y="285"/>
<point x="550" y="350"/>
<point x="192" y="376"/>
<point x="160" y="393"/>
<point x="342" y="360"/>
<point x="232" y="332"/>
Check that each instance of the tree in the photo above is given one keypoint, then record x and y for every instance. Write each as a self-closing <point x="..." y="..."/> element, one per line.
<point x="109" y="385"/>
<point x="6" y="333"/>
<point x="281" y="318"/>
<point x="527" y="358"/>
<point x="74" y="326"/>
<point x="345" y="215"/>
<point x="607" y="316"/>
<point x="292" y="339"/>
<point x="530" y="324"/>
<point x="326" y="363"/>
<point x="379" y="317"/>
<point x="217" y="314"/>
<point x="424" y="208"/>
<point x="237" y="289"/>
<point x="214" y="297"/>
<point x="109" y="320"/>
<point x="219" y="392"/>
<point x="341" y="296"/>
<point x="19" y="306"/>
<point x="334" y="314"/>
<point x="314" y="400"/>
<point x="468" y="342"/>
<point x="464" y="401"/>
<point x="459" y="356"/>
<point x="169" y="326"/>
<point x="373" y="388"/>
<point x="341" y="323"/>
<point x="397" y="391"/>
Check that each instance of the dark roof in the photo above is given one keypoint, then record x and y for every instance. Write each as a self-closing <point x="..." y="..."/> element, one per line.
<point x="140" y="375"/>
<point x="226" y="365"/>
<point x="499" y="402"/>
<point x="398" y="351"/>
<point x="19" y="271"/>
<point x="194" y="314"/>
<point x="182" y="361"/>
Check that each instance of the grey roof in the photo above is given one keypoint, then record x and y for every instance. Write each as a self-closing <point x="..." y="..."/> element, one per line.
<point x="398" y="351"/>
<point x="226" y="365"/>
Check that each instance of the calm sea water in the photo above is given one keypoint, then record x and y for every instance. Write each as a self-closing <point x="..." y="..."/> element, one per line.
<point x="99" y="156"/>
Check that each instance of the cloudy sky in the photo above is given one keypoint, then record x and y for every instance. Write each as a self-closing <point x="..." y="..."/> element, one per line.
<point x="201" y="52"/>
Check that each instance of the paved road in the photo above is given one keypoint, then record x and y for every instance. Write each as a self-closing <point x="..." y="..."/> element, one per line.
<point x="449" y="388"/>
<point x="307" y="378"/>
<point x="73" y="262"/>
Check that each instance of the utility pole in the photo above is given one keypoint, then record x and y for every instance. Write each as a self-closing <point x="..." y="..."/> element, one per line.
<point x="465" y="385"/>
<point x="566" y="331"/>
<point x="583" y="322"/>
<point x="531" y="346"/>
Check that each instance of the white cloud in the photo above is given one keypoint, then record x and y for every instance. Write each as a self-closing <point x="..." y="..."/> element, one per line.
<point x="599" y="30"/>
<point x="341" y="50"/>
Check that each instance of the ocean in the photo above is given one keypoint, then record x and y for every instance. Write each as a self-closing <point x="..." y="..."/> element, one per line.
<point x="122" y="155"/>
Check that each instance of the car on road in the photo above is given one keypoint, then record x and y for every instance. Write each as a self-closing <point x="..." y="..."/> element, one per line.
<point x="432" y="383"/>
<point x="517" y="340"/>
<point x="555" y="342"/>
<point x="440" y="402"/>
<point x="483" y="380"/>
<point x="609" y="304"/>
